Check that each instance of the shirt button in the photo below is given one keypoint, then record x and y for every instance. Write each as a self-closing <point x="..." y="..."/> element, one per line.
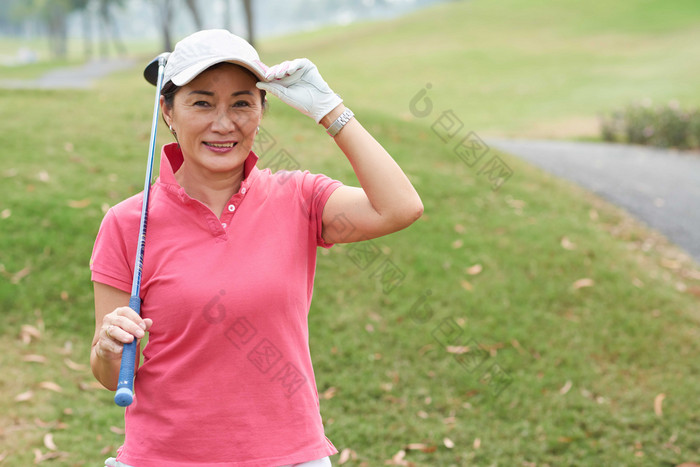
<point x="223" y="224"/>
<point x="231" y="208"/>
<point x="243" y="190"/>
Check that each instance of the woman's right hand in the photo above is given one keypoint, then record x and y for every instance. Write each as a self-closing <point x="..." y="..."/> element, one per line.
<point x="120" y="327"/>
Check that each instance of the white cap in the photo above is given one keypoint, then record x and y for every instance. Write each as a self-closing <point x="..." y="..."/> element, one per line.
<point x="197" y="52"/>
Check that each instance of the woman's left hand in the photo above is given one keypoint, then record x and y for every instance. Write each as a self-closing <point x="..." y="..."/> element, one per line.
<point x="299" y="84"/>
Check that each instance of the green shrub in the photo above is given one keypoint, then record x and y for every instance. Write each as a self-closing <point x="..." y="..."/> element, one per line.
<point x="639" y="123"/>
<point x="667" y="126"/>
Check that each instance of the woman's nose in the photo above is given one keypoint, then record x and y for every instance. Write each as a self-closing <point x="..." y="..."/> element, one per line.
<point x="224" y="122"/>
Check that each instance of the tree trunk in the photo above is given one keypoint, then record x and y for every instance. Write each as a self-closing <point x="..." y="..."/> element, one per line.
<point x="227" y="15"/>
<point x="192" y="5"/>
<point x="248" y="6"/>
<point x="58" y="34"/>
<point x="166" y="16"/>
<point x="87" y="34"/>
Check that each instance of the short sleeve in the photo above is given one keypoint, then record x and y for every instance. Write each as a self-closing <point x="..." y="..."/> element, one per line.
<point x="109" y="262"/>
<point x="315" y="189"/>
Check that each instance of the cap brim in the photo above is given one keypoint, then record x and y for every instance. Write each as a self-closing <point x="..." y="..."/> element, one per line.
<point x="188" y="74"/>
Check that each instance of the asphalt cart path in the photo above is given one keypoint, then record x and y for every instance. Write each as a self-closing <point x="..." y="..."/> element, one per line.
<point x="76" y="77"/>
<point x="659" y="187"/>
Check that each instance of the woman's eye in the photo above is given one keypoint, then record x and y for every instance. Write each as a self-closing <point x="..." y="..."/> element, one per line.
<point x="201" y="104"/>
<point x="241" y="104"/>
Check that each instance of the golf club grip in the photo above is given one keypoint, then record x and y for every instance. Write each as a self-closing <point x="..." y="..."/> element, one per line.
<point x="125" y="387"/>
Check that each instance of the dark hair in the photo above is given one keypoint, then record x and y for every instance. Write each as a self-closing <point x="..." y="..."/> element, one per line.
<point x="169" y="89"/>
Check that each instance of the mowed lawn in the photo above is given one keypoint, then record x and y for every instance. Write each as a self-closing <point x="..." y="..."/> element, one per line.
<point x="521" y="321"/>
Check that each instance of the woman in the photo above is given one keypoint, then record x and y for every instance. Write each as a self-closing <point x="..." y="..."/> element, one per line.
<point x="226" y="378"/>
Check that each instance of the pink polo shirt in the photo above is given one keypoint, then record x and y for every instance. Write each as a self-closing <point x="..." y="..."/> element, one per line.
<point x="227" y="378"/>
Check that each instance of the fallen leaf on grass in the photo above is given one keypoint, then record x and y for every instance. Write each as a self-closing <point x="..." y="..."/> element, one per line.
<point x="43" y="176"/>
<point x="116" y="430"/>
<point x="567" y="244"/>
<point x="73" y="365"/>
<point x="459" y="228"/>
<point x="449" y="444"/>
<point x="29" y="332"/>
<point x="670" y="264"/>
<point x="48" y="442"/>
<point x="421" y="447"/>
<point x="658" y="404"/>
<point x="25" y="396"/>
<point x="398" y="459"/>
<point x="107" y="449"/>
<point x="564" y="389"/>
<point x="457" y="244"/>
<point x="581" y="283"/>
<point x="90" y="386"/>
<point x="33" y="358"/>
<point x="477" y="443"/>
<point x="457" y="349"/>
<point x="50" y="386"/>
<point x="6" y="213"/>
<point x="466" y="285"/>
<point x="67" y="348"/>
<point x="40" y="457"/>
<point x="474" y="270"/>
<point x="41" y="424"/>
<point x="516" y="345"/>
<point x="3" y="455"/>
<point x="329" y="393"/>
<point x="345" y="455"/>
<point x="79" y="204"/>
<point x="692" y="274"/>
<point x="21" y="274"/>
<point x="516" y="204"/>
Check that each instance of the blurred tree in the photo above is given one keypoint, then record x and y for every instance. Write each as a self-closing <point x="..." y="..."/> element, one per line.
<point x="249" y="18"/>
<point x="82" y="6"/>
<point x="192" y="6"/>
<point x="109" y="27"/>
<point x="165" y="13"/>
<point x="248" y="7"/>
<point x="53" y="14"/>
<point x="227" y="14"/>
<point x="9" y="22"/>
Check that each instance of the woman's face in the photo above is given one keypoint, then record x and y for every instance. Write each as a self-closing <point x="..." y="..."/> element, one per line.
<point x="215" y="117"/>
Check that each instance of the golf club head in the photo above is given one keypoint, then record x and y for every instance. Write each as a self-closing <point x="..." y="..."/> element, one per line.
<point x="151" y="70"/>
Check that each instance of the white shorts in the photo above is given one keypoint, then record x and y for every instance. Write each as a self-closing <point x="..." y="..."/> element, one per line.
<point x="325" y="462"/>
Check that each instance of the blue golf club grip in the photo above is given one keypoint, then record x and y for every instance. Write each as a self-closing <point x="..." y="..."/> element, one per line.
<point x="125" y="386"/>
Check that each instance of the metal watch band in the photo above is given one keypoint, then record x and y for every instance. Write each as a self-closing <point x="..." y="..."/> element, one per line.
<point x="336" y="126"/>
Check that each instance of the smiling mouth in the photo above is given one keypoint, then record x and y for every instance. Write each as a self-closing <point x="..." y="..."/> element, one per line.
<point x="221" y="145"/>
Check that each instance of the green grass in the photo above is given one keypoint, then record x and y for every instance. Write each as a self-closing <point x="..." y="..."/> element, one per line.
<point x="515" y="67"/>
<point x="584" y="366"/>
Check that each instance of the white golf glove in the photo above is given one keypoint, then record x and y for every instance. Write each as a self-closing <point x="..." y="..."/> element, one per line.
<point x="299" y="84"/>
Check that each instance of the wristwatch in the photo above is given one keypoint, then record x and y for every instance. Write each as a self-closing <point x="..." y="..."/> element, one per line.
<point x="336" y="126"/>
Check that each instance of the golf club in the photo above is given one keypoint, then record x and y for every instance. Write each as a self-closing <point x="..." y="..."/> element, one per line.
<point x="125" y="387"/>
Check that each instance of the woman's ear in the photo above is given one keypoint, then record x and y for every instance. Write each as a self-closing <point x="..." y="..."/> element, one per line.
<point x="166" y="111"/>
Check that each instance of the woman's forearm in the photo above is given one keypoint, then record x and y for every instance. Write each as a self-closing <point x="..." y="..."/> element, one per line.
<point x="387" y="187"/>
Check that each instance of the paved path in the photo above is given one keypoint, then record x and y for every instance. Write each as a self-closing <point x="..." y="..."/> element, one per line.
<point x="78" y="77"/>
<point x="659" y="187"/>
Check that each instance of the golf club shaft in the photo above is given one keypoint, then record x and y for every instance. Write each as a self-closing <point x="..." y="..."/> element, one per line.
<point x="125" y="392"/>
